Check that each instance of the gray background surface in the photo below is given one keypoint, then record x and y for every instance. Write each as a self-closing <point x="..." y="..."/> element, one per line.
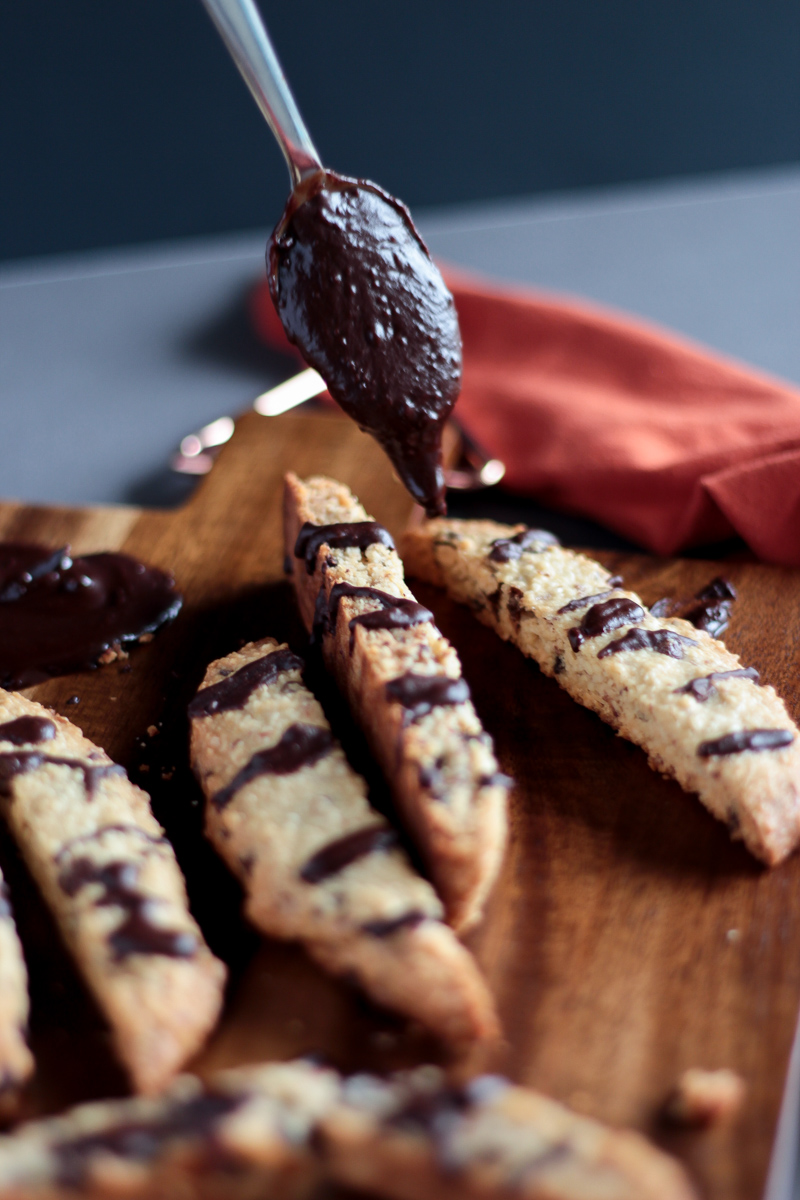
<point x="108" y="359"/>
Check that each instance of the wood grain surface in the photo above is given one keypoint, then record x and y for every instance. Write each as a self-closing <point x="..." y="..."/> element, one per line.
<point x="628" y="938"/>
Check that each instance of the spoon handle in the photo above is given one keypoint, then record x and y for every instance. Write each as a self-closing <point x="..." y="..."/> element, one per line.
<point x="242" y="30"/>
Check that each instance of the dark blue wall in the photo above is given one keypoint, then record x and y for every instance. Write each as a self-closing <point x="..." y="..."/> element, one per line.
<point x="123" y="120"/>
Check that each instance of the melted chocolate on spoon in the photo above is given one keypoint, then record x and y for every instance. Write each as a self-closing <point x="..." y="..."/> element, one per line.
<point x="358" y="294"/>
<point x="60" y="614"/>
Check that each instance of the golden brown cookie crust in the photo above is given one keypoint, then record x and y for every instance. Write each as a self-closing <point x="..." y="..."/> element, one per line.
<point x="757" y="794"/>
<point x="375" y="918"/>
<point x="441" y="768"/>
<point x="160" y="1007"/>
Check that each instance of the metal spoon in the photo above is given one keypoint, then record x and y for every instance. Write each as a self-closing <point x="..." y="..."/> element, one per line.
<point x="242" y="30"/>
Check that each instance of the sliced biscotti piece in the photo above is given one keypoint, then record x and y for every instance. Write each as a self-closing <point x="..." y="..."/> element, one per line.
<point x="245" y="1134"/>
<point x="111" y="880"/>
<point x="16" y="1060"/>
<point x="317" y="862"/>
<point x="411" y="1137"/>
<point x="403" y="682"/>
<point x="277" y="1130"/>
<point x="666" y="685"/>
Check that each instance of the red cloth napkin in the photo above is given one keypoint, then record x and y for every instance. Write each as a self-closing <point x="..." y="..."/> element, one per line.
<point x="611" y="418"/>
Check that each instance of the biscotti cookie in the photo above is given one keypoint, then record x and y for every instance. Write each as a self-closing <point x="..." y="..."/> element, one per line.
<point x="317" y="862"/>
<point x="110" y="878"/>
<point x="244" y="1135"/>
<point x="661" y="682"/>
<point x="403" y="682"/>
<point x="412" y="1137"/>
<point x="275" y="1131"/>
<point x="16" y="1060"/>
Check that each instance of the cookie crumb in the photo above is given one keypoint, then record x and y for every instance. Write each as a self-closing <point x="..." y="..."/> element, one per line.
<point x="733" y="936"/>
<point x="144" y="767"/>
<point x="152" y="730"/>
<point x="144" y="638"/>
<point x="704" y="1098"/>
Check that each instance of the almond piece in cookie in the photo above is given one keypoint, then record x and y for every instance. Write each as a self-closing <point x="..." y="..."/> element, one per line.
<point x="403" y="682"/>
<point x="661" y="682"/>
<point x="110" y="878"/>
<point x="317" y="862"/>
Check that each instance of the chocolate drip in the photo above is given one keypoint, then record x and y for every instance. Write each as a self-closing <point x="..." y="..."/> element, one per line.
<point x="662" y="641"/>
<point x="27" y="731"/>
<point x="419" y="694"/>
<point x="385" y="929"/>
<point x="396" y="612"/>
<point x="61" y="614"/>
<point x="234" y="691"/>
<point x="360" y="534"/>
<point x="142" y="1141"/>
<point x="137" y="934"/>
<point x="505" y="550"/>
<point x="703" y="688"/>
<point x="300" y="746"/>
<point x="746" y="739"/>
<point x="582" y="602"/>
<point x="334" y="857"/>
<point x="5" y="901"/>
<point x="358" y="294"/>
<point x="708" y="609"/>
<point x="602" y="618"/>
<point x="714" y="610"/>
<point x="12" y="765"/>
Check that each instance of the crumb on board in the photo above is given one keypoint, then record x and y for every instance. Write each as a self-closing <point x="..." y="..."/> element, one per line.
<point x="152" y="730"/>
<point x="702" y="1098"/>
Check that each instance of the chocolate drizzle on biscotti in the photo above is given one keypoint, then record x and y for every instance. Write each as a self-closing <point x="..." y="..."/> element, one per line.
<point x="142" y="1141"/>
<point x="233" y="693"/>
<point x="137" y="934"/>
<point x="334" y="857"/>
<point x="603" y="618"/>
<point x="395" y="612"/>
<point x="660" y="641"/>
<point x="419" y="694"/>
<point x="703" y="688"/>
<point x="708" y="609"/>
<point x="746" y="739"/>
<point x="583" y="601"/>
<point x="27" y="731"/>
<point x="20" y="763"/>
<point x="387" y="928"/>
<point x="505" y="550"/>
<point x="347" y="534"/>
<point x="300" y="746"/>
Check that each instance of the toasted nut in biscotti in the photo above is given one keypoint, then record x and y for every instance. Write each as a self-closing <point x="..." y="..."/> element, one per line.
<point x="661" y="682"/>
<point x="110" y="878"/>
<point x="317" y="862"/>
<point x="403" y="682"/>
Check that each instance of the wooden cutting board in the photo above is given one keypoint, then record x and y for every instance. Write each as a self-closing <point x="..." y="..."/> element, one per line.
<point x="628" y="937"/>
